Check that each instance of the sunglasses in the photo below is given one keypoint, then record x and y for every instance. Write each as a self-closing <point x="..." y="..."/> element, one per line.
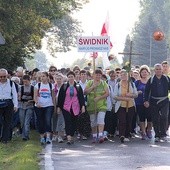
<point x="52" y="70"/>
<point x="3" y="77"/>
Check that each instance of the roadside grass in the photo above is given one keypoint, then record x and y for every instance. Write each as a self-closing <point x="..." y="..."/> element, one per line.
<point x="21" y="155"/>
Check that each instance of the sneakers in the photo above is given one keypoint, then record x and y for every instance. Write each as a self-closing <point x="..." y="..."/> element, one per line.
<point x="106" y="138"/>
<point x="69" y="142"/>
<point x="25" y="138"/>
<point x="101" y="139"/>
<point x="122" y="139"/>
<point x="54" y="138"/>
<point x="84" y="138"/>
<point x="163" y="139"/>
<point x="48" y="140"/>
<point x="126" y="139"/>
<point x="144" y="137"/>
<point x="149" y="134"/>
<point x="157" y="139"/>
<point x="60" y="140"/>
<point x="94" y="140"/>
<point x="78" y="136"/>
<point x="42" y="141"/>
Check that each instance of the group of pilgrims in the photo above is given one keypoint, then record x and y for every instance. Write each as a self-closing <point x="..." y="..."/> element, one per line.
<point x="64" y="105"/>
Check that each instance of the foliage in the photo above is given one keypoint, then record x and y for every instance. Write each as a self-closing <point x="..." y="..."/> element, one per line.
<point x="24" y="23"/>
<point x="63" y="35"/>
<point x="154" y="16"/>
<point x="20" y="155"/>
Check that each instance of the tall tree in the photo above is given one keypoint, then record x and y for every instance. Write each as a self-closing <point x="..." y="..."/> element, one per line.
<point x="24" y="23"/>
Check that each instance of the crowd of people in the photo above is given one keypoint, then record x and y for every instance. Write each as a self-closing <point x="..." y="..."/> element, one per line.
<point x="66" y="104"/>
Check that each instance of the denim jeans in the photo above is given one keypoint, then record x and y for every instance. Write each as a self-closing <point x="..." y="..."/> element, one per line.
<point x="25" y="118"/>
<point x="60" y="123"/>
<point x="15" y="119"/>
<point x="44" y="118"/>
<point x="34" y="120"/>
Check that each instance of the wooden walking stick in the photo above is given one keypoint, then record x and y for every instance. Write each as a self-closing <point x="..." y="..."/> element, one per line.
<point x="127" y="67"/>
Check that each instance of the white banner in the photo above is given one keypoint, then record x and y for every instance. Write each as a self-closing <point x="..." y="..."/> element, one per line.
<point x="93" y="44"/>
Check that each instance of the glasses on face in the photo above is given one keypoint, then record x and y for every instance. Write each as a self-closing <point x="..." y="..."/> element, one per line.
<point x="53" y="70"/>
<point x="3" y="77"/>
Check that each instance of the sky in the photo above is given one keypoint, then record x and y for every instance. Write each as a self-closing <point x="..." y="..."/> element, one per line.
<point x="122" y="16"/>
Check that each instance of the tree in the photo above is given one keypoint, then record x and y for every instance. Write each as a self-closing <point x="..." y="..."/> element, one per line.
<point x="24" y="23"/>
<point x="63" y="35"/>
<point x="154" y="16"/>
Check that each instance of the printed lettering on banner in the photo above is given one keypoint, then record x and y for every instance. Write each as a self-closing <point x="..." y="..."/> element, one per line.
<point x="93" y="44"/>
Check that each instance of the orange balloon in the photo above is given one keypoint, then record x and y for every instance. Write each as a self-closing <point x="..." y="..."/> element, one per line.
<point x="158" y="35"/>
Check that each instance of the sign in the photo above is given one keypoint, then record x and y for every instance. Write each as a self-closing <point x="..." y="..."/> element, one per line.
<point x="93" y="44"/>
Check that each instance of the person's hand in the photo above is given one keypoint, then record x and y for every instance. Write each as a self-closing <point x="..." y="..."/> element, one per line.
<point x="94" y="85"/>
<point x="38" y="105"/>
<point x="15" y="109"/>
<point x="55" y="109"/>
<point x="58" y="110"/>
<point x="127" y="99"/>
<point x="83" y="109"/>
<point x="146" y="104"/>
<point x="140" y="92"/>
<point x="96" y="99"/>
<point x="129" y="95"/>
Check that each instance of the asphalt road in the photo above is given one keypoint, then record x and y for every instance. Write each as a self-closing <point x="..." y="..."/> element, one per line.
<point x="111" y="155"/>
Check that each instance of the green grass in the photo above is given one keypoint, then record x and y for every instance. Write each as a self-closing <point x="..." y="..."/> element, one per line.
<point x="20" y="155"/>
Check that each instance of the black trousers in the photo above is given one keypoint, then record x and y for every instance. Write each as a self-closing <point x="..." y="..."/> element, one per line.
<point x="125" y="121"/>
<point x="70" y="122"/>
<point x="6" y="115"/>
<point x="160" y="119"/>
<point x="110" y="122"/>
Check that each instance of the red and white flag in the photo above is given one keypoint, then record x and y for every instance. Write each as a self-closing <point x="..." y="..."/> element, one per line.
<point x="105" y="32"/>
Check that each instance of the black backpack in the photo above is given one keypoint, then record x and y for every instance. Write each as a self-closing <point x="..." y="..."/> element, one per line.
<point x="31" y="92"/>
<point x="16" y="86"/>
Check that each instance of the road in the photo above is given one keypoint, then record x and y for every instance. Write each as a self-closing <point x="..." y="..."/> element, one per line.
<point x="111" y="155"/>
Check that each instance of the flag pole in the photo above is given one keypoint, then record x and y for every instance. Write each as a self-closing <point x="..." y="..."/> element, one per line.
<point x="94" y="67"/>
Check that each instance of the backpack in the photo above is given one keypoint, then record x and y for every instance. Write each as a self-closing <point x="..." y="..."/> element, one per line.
<point x="31" y="92"/>
<point x="50" y="85"/>
<point x="16" y="86"/>
<point x="151" y="80"/>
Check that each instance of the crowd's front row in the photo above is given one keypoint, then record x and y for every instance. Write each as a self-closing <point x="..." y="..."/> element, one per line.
<point x="96" y="107"/>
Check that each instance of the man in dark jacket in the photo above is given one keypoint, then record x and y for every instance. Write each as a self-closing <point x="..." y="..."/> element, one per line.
<point x="156" y="96"/>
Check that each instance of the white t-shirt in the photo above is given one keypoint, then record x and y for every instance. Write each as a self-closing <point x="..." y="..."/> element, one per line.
<point x="45" y="96"/>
